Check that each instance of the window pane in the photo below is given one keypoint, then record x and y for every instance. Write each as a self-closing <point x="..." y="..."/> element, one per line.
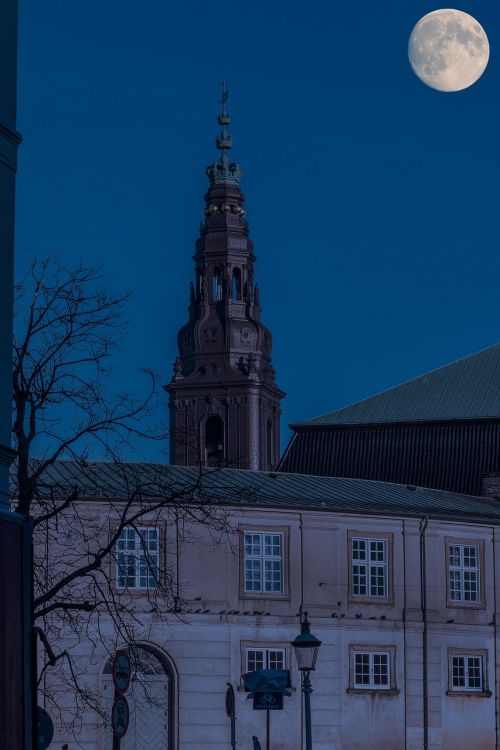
<point x="377" y="551"/>
<point x="276" y="659"/>
<point x="474" y="675"/>
<point x="126" y="570"/>
<point x="272" y="545"/>
<point x="362" y="669"/>
<point x="470" y="557"/>
<point x="252" y="544"/>
<point x="253" y="576"/>
<point x="454" y="554"/>
<point x="458" y="671"/>
<point x="359" y="580"/>
<point x="455" y="585"/>
<point x="377" y="581"/>
<point x="255" y="659"/>
<point x="358" y="549"/>
<point x="381" y="669"/>
<point x="470" y="586"/>
<point x="272" y="571"/>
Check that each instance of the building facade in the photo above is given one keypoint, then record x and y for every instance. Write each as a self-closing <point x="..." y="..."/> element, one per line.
<point x="402" y="587"/>
<point x="223" y="399"/>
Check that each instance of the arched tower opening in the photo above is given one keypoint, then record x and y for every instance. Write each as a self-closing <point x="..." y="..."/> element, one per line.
<point x="236" y="285"/>
<point x="216" y="284"/>
<point x="214" y="441"/>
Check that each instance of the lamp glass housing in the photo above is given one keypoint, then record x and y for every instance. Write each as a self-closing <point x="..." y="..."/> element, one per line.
<point x="306" y="657"/>
<point x="306" y="647"/>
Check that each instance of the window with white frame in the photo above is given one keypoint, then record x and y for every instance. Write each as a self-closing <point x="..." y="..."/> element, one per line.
<point x="464" y="572"/>
<point x="467" y="672"/>
<point x="137" y="558"/>
<point x="369" y="567"/>
<point x="371" y="670"/>
<point x="263" y="562"/>
<point x="264" y="658"/>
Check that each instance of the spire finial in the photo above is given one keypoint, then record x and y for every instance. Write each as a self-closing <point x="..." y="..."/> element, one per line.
<point x="225" y="93"/>
<point x="224" y="141"/>
<point x="223" y="172"/>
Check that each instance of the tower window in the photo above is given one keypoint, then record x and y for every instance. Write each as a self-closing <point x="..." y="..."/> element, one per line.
<point x="201" y="285"/>
<point x="217" y="285"/>
<point x="214" y="441"/>
<point x="236" y="285"/>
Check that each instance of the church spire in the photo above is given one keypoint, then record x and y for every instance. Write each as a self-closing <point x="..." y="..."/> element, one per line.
<point x="224" y="401"/>
<point x="223" y="172"/>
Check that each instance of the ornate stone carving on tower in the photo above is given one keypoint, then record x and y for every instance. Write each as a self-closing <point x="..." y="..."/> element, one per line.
<point x="224" y="402"/>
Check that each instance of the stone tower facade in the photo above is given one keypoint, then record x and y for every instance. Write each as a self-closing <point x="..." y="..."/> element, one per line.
<point x="224" y="402"/>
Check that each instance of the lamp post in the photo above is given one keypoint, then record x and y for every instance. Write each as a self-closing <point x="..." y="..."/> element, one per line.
<point x="306" y="647"/>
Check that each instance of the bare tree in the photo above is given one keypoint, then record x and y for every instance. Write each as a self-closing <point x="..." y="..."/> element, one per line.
<point x="67" y="329"/>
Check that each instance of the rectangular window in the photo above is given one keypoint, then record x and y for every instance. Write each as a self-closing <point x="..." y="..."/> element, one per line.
<point x="463" y="568"/>
<point x="263" y="562"/>
<point x="467" y="672"/>
<point x="138" y="558"/>
<point x="372" y="670"/>
<point x="264" y="658"/>
<point x="369" y="567"/>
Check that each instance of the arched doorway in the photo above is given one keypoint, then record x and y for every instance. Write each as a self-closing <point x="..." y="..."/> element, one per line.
<point x="150" y="697"/>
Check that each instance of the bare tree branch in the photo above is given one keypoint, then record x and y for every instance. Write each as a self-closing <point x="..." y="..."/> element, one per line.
<point x="67" y="330"/>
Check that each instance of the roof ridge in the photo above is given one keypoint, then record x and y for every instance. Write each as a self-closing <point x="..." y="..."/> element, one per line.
<point x="385" y="391"/>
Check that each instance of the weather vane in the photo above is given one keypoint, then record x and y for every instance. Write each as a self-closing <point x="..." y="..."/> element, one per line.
<point x="225" y="93"/>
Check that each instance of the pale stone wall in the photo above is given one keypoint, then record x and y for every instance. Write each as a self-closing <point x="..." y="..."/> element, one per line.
<point x="205" y="647"/>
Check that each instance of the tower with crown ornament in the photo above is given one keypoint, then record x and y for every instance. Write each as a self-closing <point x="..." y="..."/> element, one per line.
<point x="223" y="399"/>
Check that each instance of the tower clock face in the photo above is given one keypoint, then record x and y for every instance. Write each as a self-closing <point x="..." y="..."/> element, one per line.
<point x="246" y="335"/>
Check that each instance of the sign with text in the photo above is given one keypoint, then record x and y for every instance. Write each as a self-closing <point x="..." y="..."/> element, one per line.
<point x="121" y="671"/>
<point x="268" y="701"/>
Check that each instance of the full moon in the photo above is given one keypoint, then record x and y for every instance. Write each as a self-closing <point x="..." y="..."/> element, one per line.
<point x="448" y="50"/>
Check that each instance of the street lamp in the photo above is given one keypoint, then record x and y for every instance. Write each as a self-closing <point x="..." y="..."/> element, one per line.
<point x="306" y="647"/>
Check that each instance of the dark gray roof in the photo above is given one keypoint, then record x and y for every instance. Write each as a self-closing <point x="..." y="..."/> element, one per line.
<point x="251" y="488"/>
<point x="466" y="389"/>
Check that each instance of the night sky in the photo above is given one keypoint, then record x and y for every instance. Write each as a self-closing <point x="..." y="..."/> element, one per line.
<point x="372" y="199"/>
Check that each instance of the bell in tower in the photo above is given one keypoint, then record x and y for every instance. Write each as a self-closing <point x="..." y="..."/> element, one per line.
<point x="223" y="399"/>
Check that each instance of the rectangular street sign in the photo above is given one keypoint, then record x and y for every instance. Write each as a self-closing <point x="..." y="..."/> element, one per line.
<point x="268" y="701"/>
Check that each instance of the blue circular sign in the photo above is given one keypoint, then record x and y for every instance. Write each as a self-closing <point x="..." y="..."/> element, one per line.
<point x="120" y="716"/>
<point x="121" y="671"/>
<point x="45" y="728"/>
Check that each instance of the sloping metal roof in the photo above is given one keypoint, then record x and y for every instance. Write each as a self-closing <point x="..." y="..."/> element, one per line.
<point x="261" y="489"/>
<point x="466" y="389"/>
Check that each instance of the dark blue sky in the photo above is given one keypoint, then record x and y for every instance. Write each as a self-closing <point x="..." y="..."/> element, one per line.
<point x="372" y="199"/>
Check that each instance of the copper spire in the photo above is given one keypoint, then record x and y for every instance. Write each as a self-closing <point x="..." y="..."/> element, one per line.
<point x="222" y="171"/>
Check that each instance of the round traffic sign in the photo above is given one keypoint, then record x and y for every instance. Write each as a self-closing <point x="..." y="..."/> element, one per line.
<point x="120" y="716"/>
<point x="45" y="728"/>
<point x="121" y="671"/>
